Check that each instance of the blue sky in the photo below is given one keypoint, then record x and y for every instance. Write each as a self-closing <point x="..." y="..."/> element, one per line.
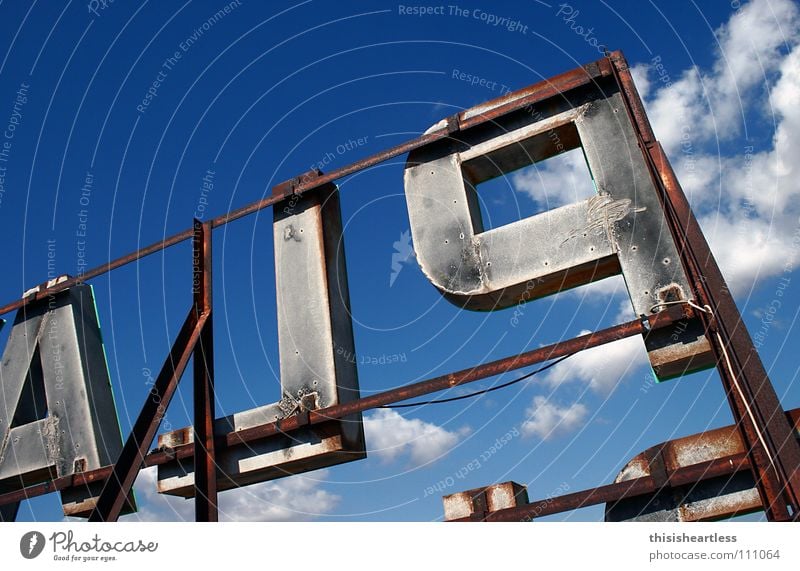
<point x="273" y="89"/>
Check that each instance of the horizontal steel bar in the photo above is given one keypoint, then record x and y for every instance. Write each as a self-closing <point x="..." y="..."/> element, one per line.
<point x="478" y="372"/>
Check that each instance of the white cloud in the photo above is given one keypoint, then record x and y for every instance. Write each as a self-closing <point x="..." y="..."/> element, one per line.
<point x="751" y="47"/>
<point x="557" y="181"/>
<point x="607" y="290"/>
<point x="641" y="77"/>
<point x="601" y="368"/>
<point x="747" y="251"/>
<point x="390" y="435"/>
<point x="745" y="194"/>
<point x="547" y="420"/>
<point x="769" y="179"/>
<point x="296" y="498"/>
<point x="698" y="106"/>
<point x="677" y="111"/>
<point x="699" y="175"/>
<point x="746" y="199"/>
<point x="624" y="311"/>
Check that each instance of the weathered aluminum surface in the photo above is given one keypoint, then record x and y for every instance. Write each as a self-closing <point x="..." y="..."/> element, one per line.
<point x="316" y="346"/>
<point x="620" y="230"/>
<point x="57" y="413"/>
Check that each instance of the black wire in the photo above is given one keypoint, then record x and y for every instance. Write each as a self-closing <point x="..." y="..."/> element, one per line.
<point x="484" y="391"/>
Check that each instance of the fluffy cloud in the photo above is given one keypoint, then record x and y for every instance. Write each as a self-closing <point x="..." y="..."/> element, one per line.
<point x="746" y="198"/>
<point x="752" y="47"/>
<point x="560" y="180"/>
<point x="767" y="181"/>
<point x="712" y="105"/>
<point x="296" y="498"/>
<point x="605" y="291"/>
<point x="744" y="191"/>
<point x="711" y="122"/>
<point x="601" y="368"/>
<point x="390" y="435"/>
<point x="747" y="252"/>
<point x="547" y="420"/>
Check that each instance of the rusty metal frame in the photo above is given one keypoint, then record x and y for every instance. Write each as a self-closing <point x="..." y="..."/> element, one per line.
<point x="204" y="414"/>
<point x="130" y="461"/>
<point x="772" y="453"/>
<point x="614" y="492"/>
<point x="160" y="456"/>
<point x="194" y="338"/>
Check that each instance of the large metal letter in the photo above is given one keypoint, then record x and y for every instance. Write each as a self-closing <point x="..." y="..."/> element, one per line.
<point x="317" y="363"/>
<point x="57" y="415"/>
<point x="620" y="230"/>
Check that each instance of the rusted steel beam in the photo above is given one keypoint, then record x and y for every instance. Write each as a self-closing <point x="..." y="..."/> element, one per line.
<point x="528" y="96"/>
<point x="725" y="466"/>
<point x="774" y="453"/>
<point x="478" y="372"/>
<point x="205" y="498"/>
<point x="611" y="493"/>
<point x="486" y="112"/>
<point x="619" y="68"/>
<point x="677" y="467"/>
<point x="548" y="352"/>
<point x="573" y="501"/>
<point x="680" y="476"/>
<point x="481" y="500"/>
<point x="691" y="499"/>
<point x="132" y="458"/>
<point x="74" y="480"/>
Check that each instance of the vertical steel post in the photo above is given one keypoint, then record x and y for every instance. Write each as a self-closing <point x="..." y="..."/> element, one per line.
<point x="205" y="499"/>
<point x="774" y="452"/>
